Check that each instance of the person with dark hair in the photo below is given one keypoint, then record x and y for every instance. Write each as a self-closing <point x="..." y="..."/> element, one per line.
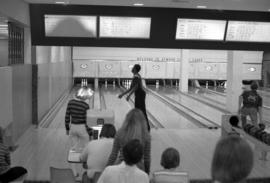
<point x="170" y="158"/>
<point x="75" y="119"/>
<point x="7" y="173"/>
<point x="97" y="152"/>
<point x="232" y="161"/>
<point x="134" y="127"/>
<point x="127" y="171"/>
<point x="234" y="122"/>
<point x="137" y="88"/>
<point x="252" y="105"/>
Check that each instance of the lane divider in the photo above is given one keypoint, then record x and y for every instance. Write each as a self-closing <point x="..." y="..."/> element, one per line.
<point x="171" y="103"/>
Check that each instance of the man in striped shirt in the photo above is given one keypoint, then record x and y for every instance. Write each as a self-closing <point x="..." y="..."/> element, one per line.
<point x="75" y="119"/>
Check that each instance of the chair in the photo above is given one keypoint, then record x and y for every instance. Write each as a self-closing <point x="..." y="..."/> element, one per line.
<point x="95" y="178"/>
<point x="59" y="175"/>
<point x="170" y="177"/>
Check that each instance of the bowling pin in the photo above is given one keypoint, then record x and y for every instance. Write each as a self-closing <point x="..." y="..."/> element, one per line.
<point x="81" y="82"/>
<point x="206" y="86"/>
<point x="157" y="84"/>
<point x="106" y="84"/>
<point x="114" y="83"/>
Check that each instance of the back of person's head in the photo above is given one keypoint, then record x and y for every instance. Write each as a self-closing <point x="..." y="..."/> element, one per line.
<point x="134" y="127"/>
<point x="254" y="86"/>
<point x="232" y="161"/>
<point x="107" y="131"/>
<point x="234" y="120"/>
<point x="83" y="93"/>
<point x="137" y="67"/>
<point x="170" y="158"/>
<point x="132" y="152"/>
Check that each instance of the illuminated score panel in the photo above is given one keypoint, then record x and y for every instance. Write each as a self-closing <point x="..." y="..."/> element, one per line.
<point x="248" y="31"/>
<point x="70" y="26"/>
<point x="125" y="27"/>
<point x="200" y="29"/>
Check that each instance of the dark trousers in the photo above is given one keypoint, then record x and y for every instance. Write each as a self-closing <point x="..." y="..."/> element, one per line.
<point x="140" y="104"/>
<point x="12" y="174"/>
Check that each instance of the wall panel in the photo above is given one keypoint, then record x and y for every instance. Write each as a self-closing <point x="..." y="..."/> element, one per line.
<point x="6" y="110"/>
<point x="22" y="99"/>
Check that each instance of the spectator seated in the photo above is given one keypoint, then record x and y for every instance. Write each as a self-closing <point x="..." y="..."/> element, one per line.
<point x="170" y="160"/>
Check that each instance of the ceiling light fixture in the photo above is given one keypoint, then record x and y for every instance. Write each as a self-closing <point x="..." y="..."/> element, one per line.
<point x="62" y="2"/>
<point x="201" y="6"/>
<point x="138" y="4"/>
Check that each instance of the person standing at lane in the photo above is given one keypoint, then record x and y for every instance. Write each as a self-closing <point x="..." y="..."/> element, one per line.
<point x="252" y="105"/>
<point x="75" y="119"/>
<point x="137" y="88"/>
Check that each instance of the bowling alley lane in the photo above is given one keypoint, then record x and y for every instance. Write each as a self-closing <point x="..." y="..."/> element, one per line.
<point x="166" y="115"/>
<point x="211" y="113"/>
<point x="207" y="97"/>
<point x="119" y="106"/>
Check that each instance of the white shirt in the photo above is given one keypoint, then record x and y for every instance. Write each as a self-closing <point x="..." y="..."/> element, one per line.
<point x="123" y="173"/>
<point x="96" y="154"/>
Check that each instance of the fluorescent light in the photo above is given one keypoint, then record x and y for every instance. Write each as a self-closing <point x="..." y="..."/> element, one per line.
<point x="138" y="4"/>
<point x="201" y="6"/>
<point x="61" y="2"/>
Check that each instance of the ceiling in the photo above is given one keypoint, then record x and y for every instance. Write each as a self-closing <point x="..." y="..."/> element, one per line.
<point x="246" y="5"/>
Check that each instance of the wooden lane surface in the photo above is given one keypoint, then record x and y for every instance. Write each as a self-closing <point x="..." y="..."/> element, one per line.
<point x="168" y="117"/>
<point x="119" y="106"/>
<point x="41" y="148"/>
<point x="210" y="113"/>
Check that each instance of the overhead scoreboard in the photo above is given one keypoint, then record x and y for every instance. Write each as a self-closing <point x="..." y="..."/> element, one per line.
<point x="248" y="31"/>
<point x="124" y="27"/>
<point x="200" y="29"/>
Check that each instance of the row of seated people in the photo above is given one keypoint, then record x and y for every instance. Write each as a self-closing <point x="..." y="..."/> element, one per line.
<point x="125" y="157"/>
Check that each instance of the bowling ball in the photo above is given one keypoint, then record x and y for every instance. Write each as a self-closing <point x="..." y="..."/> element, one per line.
<point x="258" y="134"/>
<point x="247" y="127"/>
<point x="268" y="139"/>
<point x="251" y="127"/>
<point x="253" y="130"/>
<point x="262" y="126"/>
<point x="264" y="137"/>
